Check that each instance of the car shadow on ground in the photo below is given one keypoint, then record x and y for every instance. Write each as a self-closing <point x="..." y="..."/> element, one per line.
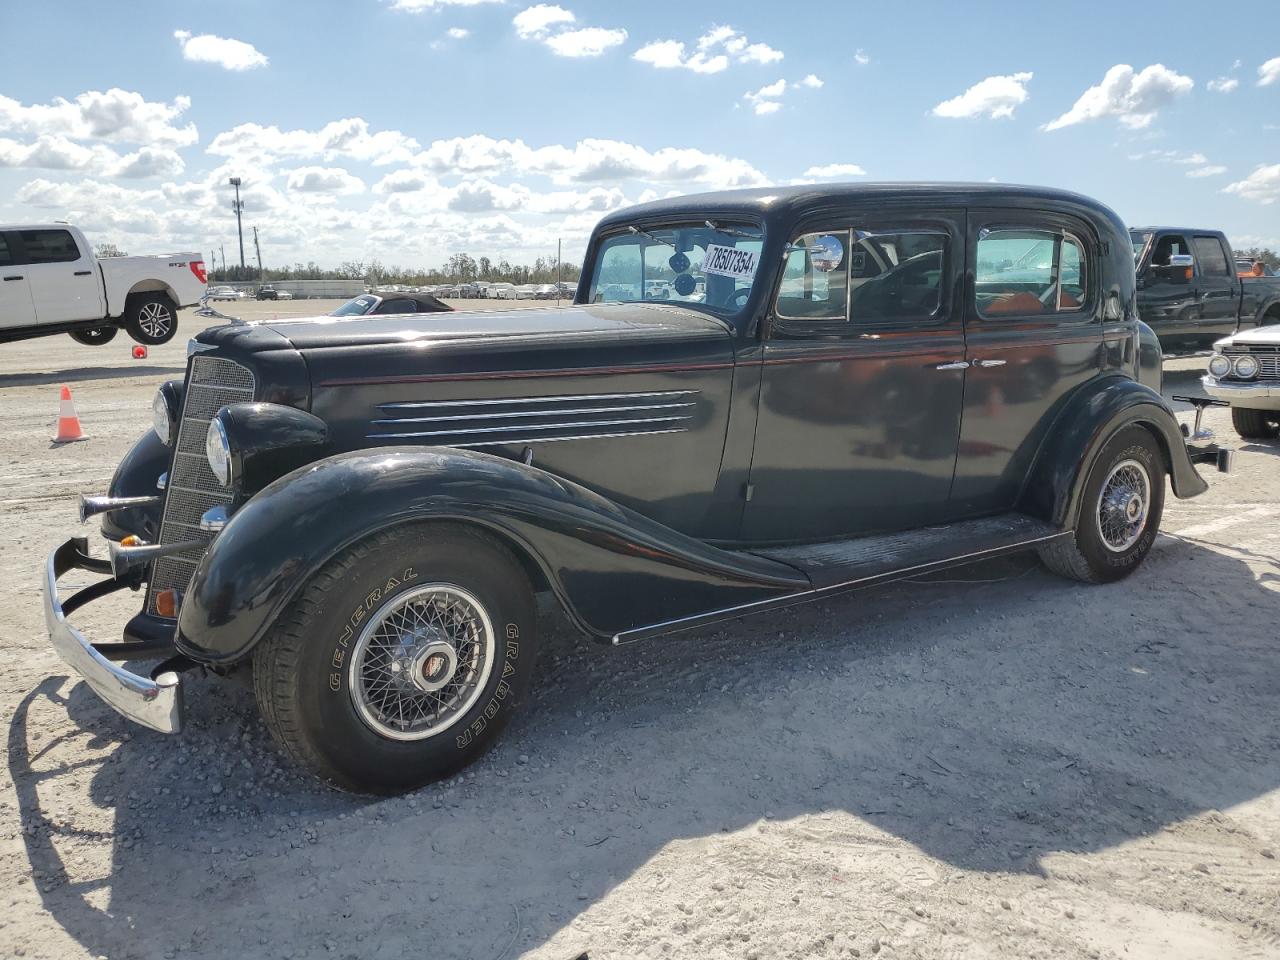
<point x="954" y="713"/>
<point x="77" y="374"/>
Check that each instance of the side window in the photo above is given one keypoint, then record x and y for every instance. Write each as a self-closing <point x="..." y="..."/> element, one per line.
<point x="815" y="277"/>
<point x="6" y="255"/>
<point x="1026" y="272"/>
<point x="50" y="246"/>
<point x="896" y="276"/>
<point x="1212" y="258"/>
<point x="620" y="275"/>
<point x="1169" y="245"/>
<point x="397" y="306"/>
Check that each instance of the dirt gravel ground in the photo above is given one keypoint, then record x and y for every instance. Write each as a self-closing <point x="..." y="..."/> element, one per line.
<point x="989" y="763"/>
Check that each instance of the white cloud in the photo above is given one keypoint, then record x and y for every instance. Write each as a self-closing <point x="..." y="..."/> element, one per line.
<point x="418" y="6"/>
<point x="1199" y="163"/>
<point x="223" y="51"/>
<point x="995" y="97"/>
<point x="534" y="23"/>
<point x="458" y="33"/>
<point x="586" y="42"/>
<point x="404" y="181"/>
<point x="324" y="180"/>
<point x="59" y="153"/>
<point x="1223" y="84"/>
<point x="1208" y="170"/>
<point x="712" y="52"/>
<point x="1134" y="98"/>
<point x="813" y="81"/>
<point x="349" y="137"/>
<point x="860" y="57"/>
<point x="1263" y="185"/>
<point x="766" y="100"/>
<point x="835" y="171"/>
<point x="1269" y="72"/>
<point x="114" y="116"/>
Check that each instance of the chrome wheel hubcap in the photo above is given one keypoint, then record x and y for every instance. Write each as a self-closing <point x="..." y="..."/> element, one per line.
<point x="1123" y="505"/>
<point x="421" y="662"/>
<point x="154" y="319"/>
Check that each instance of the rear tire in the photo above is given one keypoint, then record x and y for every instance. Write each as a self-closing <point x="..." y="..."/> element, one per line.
<point x="1256" y="424"/>
<point x="151" y="318"/>
<point x="1120" y="512"/>
<point x="402" y="659"/>
<point x="94" y="337"/>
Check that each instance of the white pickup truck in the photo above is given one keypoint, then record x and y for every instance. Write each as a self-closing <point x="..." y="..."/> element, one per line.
<point x="50" y="282"/>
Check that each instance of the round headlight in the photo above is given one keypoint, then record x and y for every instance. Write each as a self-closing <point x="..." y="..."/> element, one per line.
<point x="1219" y="366"/>
<point x="160" y="417"/>
<point x="217" y="449"/>
<point x="1245" y="367"/>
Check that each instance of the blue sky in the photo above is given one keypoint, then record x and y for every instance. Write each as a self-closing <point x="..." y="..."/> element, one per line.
<point x="408" y="130"/>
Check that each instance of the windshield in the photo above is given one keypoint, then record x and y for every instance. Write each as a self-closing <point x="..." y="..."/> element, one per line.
<point x="1139" y="241"/>
<point x="691" y="264"/>
<point x="356" y="307"/>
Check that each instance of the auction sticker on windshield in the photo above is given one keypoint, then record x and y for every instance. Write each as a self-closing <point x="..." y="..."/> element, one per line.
<point x="730" y="262"/>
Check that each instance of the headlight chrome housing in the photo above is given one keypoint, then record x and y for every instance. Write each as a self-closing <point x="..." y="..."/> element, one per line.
<point x="217" y="450"/>
<point x="1219" y="366"/>
<point x="166" y="407"/>
<point x="1245" y="366"/>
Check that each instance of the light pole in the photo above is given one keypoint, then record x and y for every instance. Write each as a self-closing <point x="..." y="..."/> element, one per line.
<point x="238" y="206"/>
<point x="259" y="251"/>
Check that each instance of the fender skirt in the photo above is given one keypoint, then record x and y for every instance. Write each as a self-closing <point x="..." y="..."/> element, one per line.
<point x="611" y="568"/>
<point x="1056" y="484"/>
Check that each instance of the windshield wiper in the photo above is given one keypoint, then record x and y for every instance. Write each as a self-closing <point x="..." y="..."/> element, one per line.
<point x="731" y="231"/>
<point x="646" y="233"/>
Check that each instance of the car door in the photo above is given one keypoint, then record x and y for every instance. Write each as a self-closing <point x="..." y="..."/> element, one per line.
<point x="862" y="380"/>
<point x="1167" y="293"/>
<point x="1033" y="334"/>
<point x="64" y="281"/>
<point x="1217" y="289"/>
<point x="16" y="308"/>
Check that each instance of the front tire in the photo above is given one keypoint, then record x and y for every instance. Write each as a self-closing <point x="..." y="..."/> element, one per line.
<point x="151" y="319"/>
<point x="1256" y="424"/>
<point x="1120" y="512"/>
<point x="95" y="337"/>
<point x="402" y="659"/>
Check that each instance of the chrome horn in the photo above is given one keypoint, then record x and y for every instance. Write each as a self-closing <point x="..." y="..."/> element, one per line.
<point x="92" y="506"/>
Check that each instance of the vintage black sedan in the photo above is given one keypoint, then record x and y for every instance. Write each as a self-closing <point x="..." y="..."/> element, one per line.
<point x="830" y="387"/>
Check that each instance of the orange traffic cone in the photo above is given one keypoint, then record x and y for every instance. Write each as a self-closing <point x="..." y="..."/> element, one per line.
<point x="68" y="420"/>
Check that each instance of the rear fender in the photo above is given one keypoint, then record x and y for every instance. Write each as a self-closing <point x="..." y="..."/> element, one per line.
<point x="1056" y="482"/>
<point x="611" y="568"/>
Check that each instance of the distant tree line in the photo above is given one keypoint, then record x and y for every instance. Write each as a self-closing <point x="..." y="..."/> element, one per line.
<point x="459" y="268"/>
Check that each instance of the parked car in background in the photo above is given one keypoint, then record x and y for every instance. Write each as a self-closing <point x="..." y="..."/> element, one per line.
<point x="1189" y="290"/>
<point x="1244" y="371"/>
<point x="567" y="289"/>
<point x="368" y="304"/>
<point x="546" y="291"/>
<point x="271" y="293"/>
<point x="378" y="501"/>
<point x="225" y="293"/>
<point x="524" y="291"/>
<point x="50" y="282"/>
<point x="502" y="291"/>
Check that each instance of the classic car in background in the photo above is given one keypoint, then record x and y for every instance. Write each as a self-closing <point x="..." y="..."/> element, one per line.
<point x="368" y="304"/>
<point x="1244" y="371"/>
<point x="271" y="293"/>
<point x="831" y="387"/>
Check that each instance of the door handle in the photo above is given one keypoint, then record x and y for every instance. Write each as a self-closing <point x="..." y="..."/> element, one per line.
<point x="989" y="363"/>
<point x="83" y="273"/>
<point x="956" y="365"/>
<point x="14" y="278"/>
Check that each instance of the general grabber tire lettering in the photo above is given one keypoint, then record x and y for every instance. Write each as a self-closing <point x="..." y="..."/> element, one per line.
<point x="401" y="660"/>
<point x="1120" y="512"/>
<point x="1256" y="424"/>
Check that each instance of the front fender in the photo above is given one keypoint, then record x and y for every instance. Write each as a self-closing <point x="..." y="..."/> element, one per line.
<point x="1056" y="482"/>
<point x="611" y="568"/>
<point x="136" y="476"/>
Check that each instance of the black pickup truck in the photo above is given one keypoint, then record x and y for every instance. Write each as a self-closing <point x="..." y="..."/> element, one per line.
<point x="1189" y="291"/>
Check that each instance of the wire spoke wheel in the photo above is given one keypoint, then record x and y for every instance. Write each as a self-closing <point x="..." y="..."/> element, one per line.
<point x="154" y="319"/>
<point x="421" y="662"/>
<point x="1123" y="505"/>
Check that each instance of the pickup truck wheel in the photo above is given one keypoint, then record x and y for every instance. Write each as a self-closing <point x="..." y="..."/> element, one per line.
<point x="151" y="319"/>
<point x="95" y="337"/>
<point x="1119" y="512"/>
<point x="402" y="659"/>
<point x="1256" y="424"/>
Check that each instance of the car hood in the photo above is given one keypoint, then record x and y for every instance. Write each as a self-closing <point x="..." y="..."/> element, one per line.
<point x="588" y="323"/>
<point x="1263" y="336"/>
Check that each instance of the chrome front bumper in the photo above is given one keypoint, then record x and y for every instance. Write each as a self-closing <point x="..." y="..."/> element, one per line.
<point x="154" y="703"/>
<point x="1257" y="395"/>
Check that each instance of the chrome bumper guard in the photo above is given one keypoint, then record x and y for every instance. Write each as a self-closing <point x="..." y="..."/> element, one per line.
<point x="1223" y="458"/>
<point x="153" y="702"/>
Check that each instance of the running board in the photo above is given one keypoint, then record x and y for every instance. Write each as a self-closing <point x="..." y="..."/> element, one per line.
<point x="837" y="566"/>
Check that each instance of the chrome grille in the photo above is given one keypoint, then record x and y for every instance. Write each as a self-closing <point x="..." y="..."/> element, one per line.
<point x="525" y="420"/>
<point x="1268" y="361"/>
<point x="212" y="384"/>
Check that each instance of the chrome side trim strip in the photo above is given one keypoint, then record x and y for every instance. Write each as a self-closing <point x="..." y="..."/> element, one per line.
<point x="413" y="405"/>
<point x="804" y="596"/>
<point x="536" y="426"/>
<point x="564" y="411"/>
<point x="516" y="440"/>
